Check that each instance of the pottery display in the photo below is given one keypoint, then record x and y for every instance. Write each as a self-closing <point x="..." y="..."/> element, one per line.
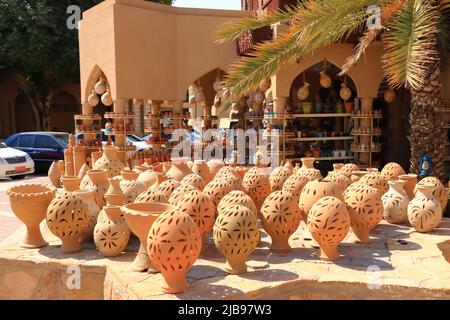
<point x="348" y="168"/>
<point x="328" y="224"/>
<point x="55" y="174"/>
<point x="439" y="191"/>
<point x="392" y="171"/>
<point x="424" y="210"/>
<point x="236" y="235"/>
<point x="148" y="178"/>
<point x="100" y="184"/>
<point x="114" y="195"/>
<point x="395" y="202"/>
<point x="29" y="203"/>
<point x="294" y="185"/>
<point x="234" y="182"/>
<point x="68" y="219"/>
<point x="237" y="197"/>
<point x="194" y="180"/>
<point x="280" y="217"/>
<point x="278" y="177"/>
<point x="339" y="178"/>
<point x="366" y="210"/>
<point x="377" y="181"/>
<point x="179" y="192"/>
<point x="201" y="168"/>
<point x="70" y="183"/>
<point x="86" y="183"/>
<point x="214" y="166"/>
<point x="179" y="169"/>
<point x="140" y="218"/>
<point x="150" y="196"/>
<point x="313" y="191"/>
<point x="260" y="158"/>
<point x="226" y="170"/>
<point x="256" y="185"/>
<point x="173" y="245"/>
<point x="167" y="187"/>
<point x="337" y="166"/>
<point x="130" y="186"/>
<point x="83" y="171"/>
<point x="307" y="163"/>
<point x="109" y="161"/>
<point x="325" y="79"/>
<point x="111" y="234"/>
<point x="311" y="174"/>
<point x="410" y="183"/>
<point x="217" y="189"/>
<point x="356" y="175"/>
<point x="88" y="198"/>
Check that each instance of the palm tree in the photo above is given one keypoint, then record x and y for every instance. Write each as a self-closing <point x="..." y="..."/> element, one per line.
<point x="415" y="37"/>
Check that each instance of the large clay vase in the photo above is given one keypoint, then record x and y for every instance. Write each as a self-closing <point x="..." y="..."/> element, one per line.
<point x="114" y="195"/>
<point x="338" y="178"/>
<point x="307" y="163"/>
<point x="130" y="186"/>
<point x="234" y="182"/>
<point x="111" y="234"/>
<point x="150" y="196"/>
<point x="226" y="170"/>
<point x="148" y="178"/>
<point x="173" y="245"/>
<point x="366" y="210"/>
<point x="348" y="169"/>
<point x="237" y="197"/>
<point x="377" y="181"/>
<point x="179" y="169"/>
<point x="315" y="190"/>
<point x="439" y="191"/>
<point x="201" y="168"/>
<point x="357" y="175"/>
<point x="100" y="185"/>
<point x="54" y="174"/>
<point x="70" y="183"/>
<point x="236" y="235"/>
<point x="278" y="177"/>
<point x="29" y="203"/>
<point x="295" y="184"/>
<point x="68" y="219"/>
<point x="179" y="193"/>
<point x="217" y="189"/>
<point x="424" y="210"/>
<point x="311" y="174"/>
<point x="328" y="224"/>
<point x="194" y="180"/>
<point x="410" y="183"/>
<point x="280" y="217"/>
<point x="109" y="161"/>
<point x="392" y="171"/>
<point x="167" y="187"/>
<point x="140" y="218"/>
<point x="395" y="202"/>
<point x="88" y="198"/>
<point x="257" y="186"/>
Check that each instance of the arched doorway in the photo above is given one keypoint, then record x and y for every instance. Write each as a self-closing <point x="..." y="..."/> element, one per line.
<point x="24" y="115"/>
<point x="63" y="108"/>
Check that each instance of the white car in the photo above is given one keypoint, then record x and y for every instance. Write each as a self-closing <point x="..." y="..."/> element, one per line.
<point x="14" y="163"/>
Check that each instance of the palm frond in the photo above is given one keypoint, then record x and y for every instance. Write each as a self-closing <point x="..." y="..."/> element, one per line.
<point x="411" y="44"/>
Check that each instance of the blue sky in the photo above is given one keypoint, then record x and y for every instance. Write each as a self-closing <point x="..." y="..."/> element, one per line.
<point x="210" y="4"/>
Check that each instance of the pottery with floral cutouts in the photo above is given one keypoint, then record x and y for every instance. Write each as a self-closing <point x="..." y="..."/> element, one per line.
<point x="357" y="175"/>
<point x="395" y="202"/>
<point x="201" y="168"/>
<point x="167" y="187"/>
<point x="278" y="177"/>
<point x="130" y="186"/>
<point x="348" y="169"/>
<point x="295" y="184"/>
<point x="392" y="171"/>
<point x="29" y="203"/>
<point x="237" y="197"/>
<point x="377" y="181"/>
<point x="100" y="185"/>
<point x="194" y="180"/>
<point x="257" y="185"/>
<point x="88" y="198"/>
<point x="214" y="166"/>
<point x="109" y="161"/>
<point x="226" y="170"/>
<point x="311" y="174"/>
<point x="179" y="169"/>
<point x="150" y="196"/>
<point x="439" y="191"/>
<point x="114" y="195"/>
<point x="179" y="192"/>
<point x="148" y="178"/>
<point x="217" y="189"/>
<point x="424" y="210"/>
<point x="339" y="178"/>
<point x="410" y="183"/>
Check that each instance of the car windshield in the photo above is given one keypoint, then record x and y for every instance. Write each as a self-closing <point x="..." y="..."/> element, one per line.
<point x="133" y="138"/>
<point x="63" y="138"/>
<point x="2" y="145"/>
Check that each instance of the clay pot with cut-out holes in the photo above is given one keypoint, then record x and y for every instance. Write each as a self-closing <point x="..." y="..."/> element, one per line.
<point x="280" y="217"/>
<point x="100" y="185"/>
<point x="410" y="183"/>
<point x="55" y="174"/>
<point x="357" y="175"/>
<point x="214" y="166"/>
<point x="366" y="210"/>
<point x="150" y="196"/>
<point x="179" y="169"/>
<point x="217" y="189"/>
<point x="179" y="192"/>
<point x="234" y="182"/>
<point x="236" y="235"/>
<point x="167" y="187"/>
<point x="237" y="197"/>
<point x="194" y="180"/>
<point x="348" y="169"/>
<point x="295" y="184"/>
<point x="395" y="202"/>
<point x="377" y="181"/>
<point x="225" y="170"/>
<point x="114" y="195"/>
<point x="88" y="198"/>
<point x="439" y="191"/>
<point x="329" y="223"/>
<point x="130" y="186"/>
<point x="424" y="210"/>
<point x="148" y="177"/>
<point x="311" y="174"/>
<point x="201" y="168"/>
<point x="307" y="163"/>
<point x="257" y="185"/>
<point x="173" y="245"/>
<point x="278" y="177"/>
<point x="339" y="178"/>
<point x="109" y="161"/>
<point x="392" y="171"/>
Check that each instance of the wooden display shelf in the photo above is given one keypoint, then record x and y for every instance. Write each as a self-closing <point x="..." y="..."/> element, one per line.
<point x="367" y="134"/>
<point x="88" y="117"/>
<point x="286" y="153"/>
<point x="309" y="139"/>
<point x="120" y="116"/>
<point x="318" y="115"/>
<point x="365" y="151"/>
<point x="252" y="118"/>
<point x="329" y="158"/>
<point x="366" y="116"/>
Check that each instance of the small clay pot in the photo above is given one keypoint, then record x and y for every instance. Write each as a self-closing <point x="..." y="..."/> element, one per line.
<point x="392" y="171"/>
<point x="329" y="223"/>
<point x="167" y="187"/>
<point x="148" y="178"/>
<point x="179" y="169"/>
<point x="55" y="174"/>
<point x="377" y="181"/>
<point x="295" y="184"/>
<point x="424" y="210"/>
<point x="109" y="161"/>
<point x="150" y="196"/>
<point x="131" y="189"/>
<point x="339" y="178"/>
<point x="216" y="190"/>
<point x="237" y="197"/>
<point x="194" y="180"/>
<point x="278" y="177"/>
<point x="307" y="163"/>
<point x="395" y="202"/>
<point x="257" y="186"/>
<point x="29" y="203"/>
<point x="311" y="174"/>
<point x="348" y="169"/>
<point x="280" y="217"/>
<point x="71" y="183"/>
<point x="214" y="166"/>
<point x="179" y="192"/>
<point x="410" y="183"/>
<point x="201" y="168"/>
<point x="114" y="195"/>
<point x="234" y="182"/>
<point x="236" y="235"/>
<point x="173" y="245"/>
<point x="439" y="191"/>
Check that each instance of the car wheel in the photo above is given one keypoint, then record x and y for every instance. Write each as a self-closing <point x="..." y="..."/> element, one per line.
<point x="18" y="177"/>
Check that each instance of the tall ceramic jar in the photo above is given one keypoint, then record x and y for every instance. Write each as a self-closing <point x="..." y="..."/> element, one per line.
<point x="295" y="184"/>
<point x="392" y="171"/>
<point x="424" y="210"/>
<point x="100" y="185"/>
<point x="201" y="168"/>
<point x="173" y="245"/>
<point x="377" y="181"/>
<point x="280" y="217"/>
<point x="109" y="161"/>
<point x="236" y="235"/>
<point x="439" y="191"/>
<point x="366" y="210"/>
<point x="130" y="186"/>
<point x="410" y="183"/>
<point x="395" y="202"/>
<point x="237" y="197"/>
<point x="179" y="169"/>
<point x="257" y="186"/>
<point x="329" y="223"/>
<point x="278" y="177"/>
<point x="111" y="234"/>
<point x="88" y="198"/>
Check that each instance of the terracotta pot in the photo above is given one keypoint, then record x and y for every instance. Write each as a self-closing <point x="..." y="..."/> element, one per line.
<point x="140" y="218"/>
<point x="280" y="217"/>
<point x="294" y="185"/>
<point x="226" y="170"/>
<point x="150" y="196"/>
<point x="237" y="197"/>
<point x="214" y="166"/>
<point x="217" y="189"/>
<point x="88" y="198"/>
<point x="160" y="178"/>
<point x="83" y="171"/>
<point x="424" y="210"/>
<point x="194" y="180"/>
<point x="278" y="177"/>
<point x="288" y="165"/>
<point x="179" y="192"/>
<point x="329" y="223"/>
<point x="236" y="235"/>
<point x="201" y="168"/>
<point x="114" y="195"/>
<point x="337" y="166"/>
<point x="257" y="186"/>
<point x="148" y="178"/>
<point x="129" y="174"/>
<point x="71" y="183"/>
<point x="410" y="183"/>
<point x="86" y="183"/>
<point x="167" y="187"/>
<point x="95" y="156"/>
<point x="29" y="203"/>
<point x="307" y="163"/>
<point x="100" y="185"/>
<point x="339" y="178"/>
<point x="392" y="171"/>
<point x="348" y="168"/>
<point x="439" y="191"/>
<point x="377" y="181"/>
<point x="234" y="182"/>
<point x="366" y="210"/>
<point x="395" y="202"/>
<point x="109" y="161"/>
<point x="313" y="191"/>
<point x="54" y="174"/>
<point x="131" y="189"/>
<point x="356" y="175"/>
<point x="173" y="245"/>
<point x="179" y="169"/>
<point x="111" y="234"/>
<point x="68" y="219"/>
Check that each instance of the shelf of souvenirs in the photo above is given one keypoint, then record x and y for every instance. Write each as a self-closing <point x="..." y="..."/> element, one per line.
<point x="169" y="116"/>
<point x="279" y="134"/>
<point x="94" y="131"/>
<point x="93" y="117"/>
<point x="281" y="153"/>
<point x="159" y="131"/>
<point x="312" y="139"/>
<point x="327" y="158"/>
<point x="376" y="114"/>
<point x="366" y="150"/>
<point x="117" y="115"/>
<point x="366" y="132"/>
<point x="118" y="133"/>
<point x="316" y="115"/>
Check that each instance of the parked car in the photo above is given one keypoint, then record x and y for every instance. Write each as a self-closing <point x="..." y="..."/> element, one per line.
<point x="43" y="147"/>
<point x="131" y="138"/>
<point x="14" y="163"/>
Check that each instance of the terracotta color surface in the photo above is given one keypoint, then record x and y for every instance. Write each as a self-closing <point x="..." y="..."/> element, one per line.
<point x="237" y="197"/>
<point x="194" y="180"/>
<point x="377" y="181"/>
<point x="278" y="177"/>
<point x="167" y="187"/>
<point x="392" y="171"/>
<point x="179" y="193"/>
<point x="439" y="191"/>
<point x="395" y="202"/>
<point x="424" y="210"/>
<point x="295" y="184"/>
